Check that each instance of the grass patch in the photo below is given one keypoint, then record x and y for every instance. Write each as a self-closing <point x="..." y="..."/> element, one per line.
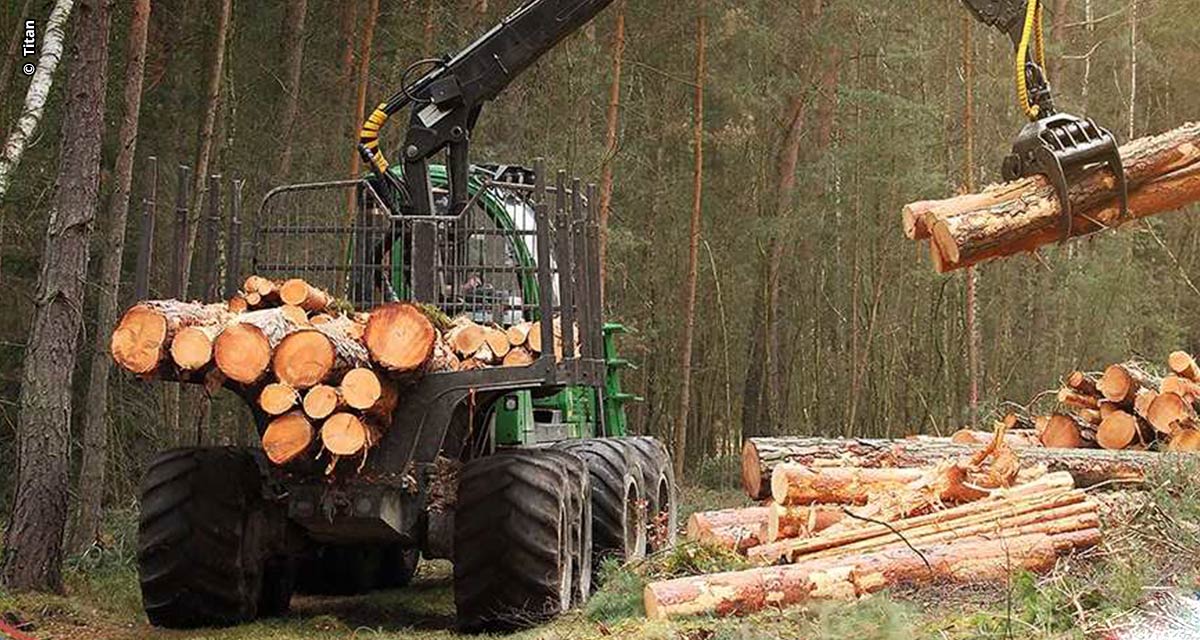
<point x="620" y="597"/>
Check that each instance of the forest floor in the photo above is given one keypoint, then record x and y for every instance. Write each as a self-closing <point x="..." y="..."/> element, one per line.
<point x="1145" y="569"/>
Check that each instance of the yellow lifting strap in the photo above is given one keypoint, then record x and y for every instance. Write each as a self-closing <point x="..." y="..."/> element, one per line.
<point x="1032" y="30"/>
<point x="368" y="137"/>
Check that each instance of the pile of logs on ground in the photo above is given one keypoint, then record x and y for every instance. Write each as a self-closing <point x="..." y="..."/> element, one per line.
<point x="1163" y="174"/>
<point x="1127" y="406"/>
<point x="328" y="378"/>
<point x="836" y="529"/>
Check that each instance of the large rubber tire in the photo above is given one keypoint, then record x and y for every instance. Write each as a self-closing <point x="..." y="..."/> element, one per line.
<point x="581" y="524"/>
<point x="512" y="534"/>
<point x="207" y="536"/>
<point x="618" y="519"/>
<point x="658" y="483"/>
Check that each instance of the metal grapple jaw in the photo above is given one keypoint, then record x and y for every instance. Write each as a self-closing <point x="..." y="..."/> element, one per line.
<point x="1064" y="147"/>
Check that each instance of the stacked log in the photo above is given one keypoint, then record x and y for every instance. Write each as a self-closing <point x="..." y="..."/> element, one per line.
<point x="328" y="380"/>
<point x="847" y="550"/>
<point x="1163" y="174"/>
<point x="1087" y="466"/>
<point x="1125" y="406"/>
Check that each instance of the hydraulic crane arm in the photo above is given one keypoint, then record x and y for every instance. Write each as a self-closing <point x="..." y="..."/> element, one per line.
<point x="446" y="101"/>
<point x="1057" y="145"/>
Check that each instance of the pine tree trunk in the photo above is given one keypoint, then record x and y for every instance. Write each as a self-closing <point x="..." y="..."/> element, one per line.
<point x="364" y="70"/>
<point x="95" y="430"/>
<point x="212" y="101"/>
<point x="35" y="97"/>
<point x="293" y="56"/>
<point x="973" y="334"/>
<point x="610" y="137"/>
<point x="689" y="312"/>
<point x="789" y="156"/>
<point x="34" y="541"/>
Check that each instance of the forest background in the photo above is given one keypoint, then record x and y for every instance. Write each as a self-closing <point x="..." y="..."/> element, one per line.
<point x="818" y="121"/>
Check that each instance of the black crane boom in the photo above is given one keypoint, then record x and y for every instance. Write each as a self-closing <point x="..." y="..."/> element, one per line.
<point x="446" y="101"/>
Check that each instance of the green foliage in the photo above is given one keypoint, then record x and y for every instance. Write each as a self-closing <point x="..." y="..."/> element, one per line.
<point x="440" y="320"/>
<point x="621" y="594"/>
<point x="876" y="617"/>
<point x="620" y="597"/>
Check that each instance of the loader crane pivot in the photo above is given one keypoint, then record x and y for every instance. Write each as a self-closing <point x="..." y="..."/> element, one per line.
<point x="446" y="101"/>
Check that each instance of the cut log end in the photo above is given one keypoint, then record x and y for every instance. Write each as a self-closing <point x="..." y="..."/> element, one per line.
<point x="1170" y="412"/>
<point x="287" y="437"/>
<point x="1117" y="385"/>
<point x="320" y="401"/>
<point x="303" y="358"/>
<point x="1183" y="364"/>
<point x="518" y="357"/>
<point x="277" y="399"/>
<point x="192" y="348"/>
<point x="1063" y="432"/>
<point x="399" y="337"/>
<point x="300" y="293"/>
<point x="1185" y="441"/>
<point x="1118" y="431"/>
<point x="497" y="342"/>
<point x="345" y="434"/>
<point x="137" y="342"/>
<point x="242" y="352"/>
<point x="361" y="388"/>
<point x="752" y="472"/>
<point x="466" y="338"/>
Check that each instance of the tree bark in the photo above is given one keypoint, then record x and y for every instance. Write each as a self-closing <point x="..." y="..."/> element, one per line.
<point x="212" y="101"/>
<point x="95" y="429"/>
<point x="1163" y="173"/>
<point x="35" y="96"/>
<point x="789" y="156"/>
<point x="795" y="484"/>
<point x="733" y="529"/>
<point x="1048" y="498"/>
<point x="973" y="559"/>
<point x="293" y="56"/>
<point x="34" y="541"/>
<point x="785" y="522"/>
<point x="689" y="291"/>
<point x="613" y="120"/>
<point x="364" y="70"/>
<point x="974" y="338"/>
<point x="1087" y="466"/>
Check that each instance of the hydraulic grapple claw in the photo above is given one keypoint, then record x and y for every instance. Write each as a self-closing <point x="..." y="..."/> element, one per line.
<point x="1063" y="147"/>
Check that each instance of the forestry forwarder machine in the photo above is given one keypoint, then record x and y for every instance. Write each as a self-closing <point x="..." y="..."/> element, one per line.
<point x="525" y="477"/>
